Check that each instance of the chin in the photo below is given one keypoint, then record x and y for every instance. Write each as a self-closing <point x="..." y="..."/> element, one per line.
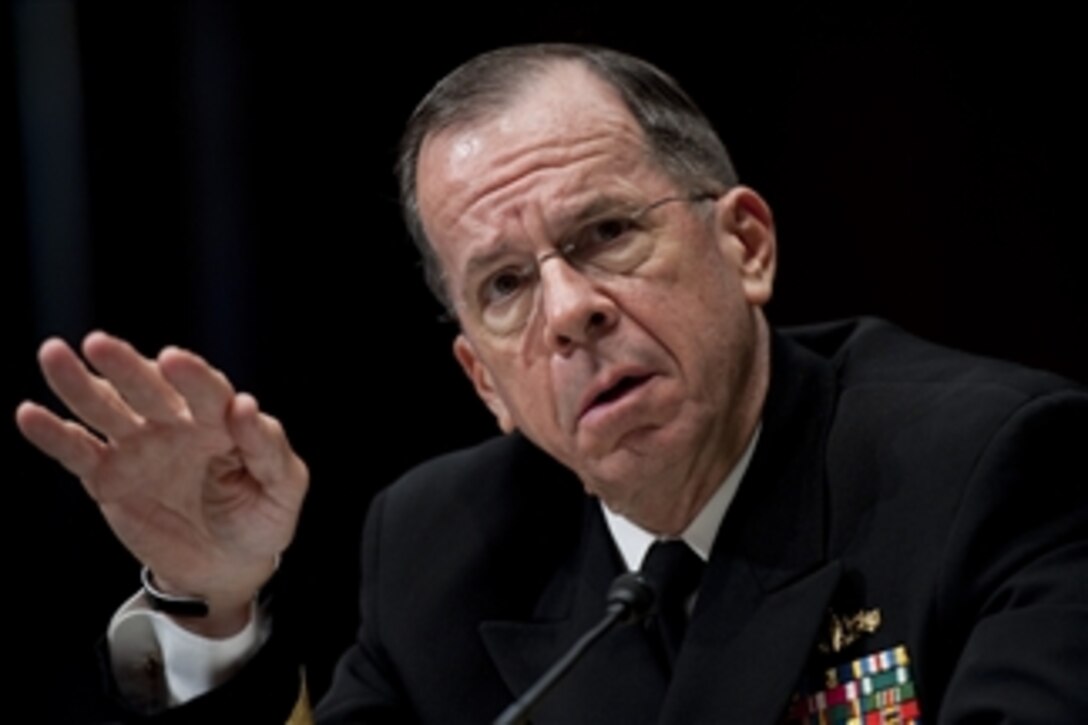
<point x="619" y="476"/>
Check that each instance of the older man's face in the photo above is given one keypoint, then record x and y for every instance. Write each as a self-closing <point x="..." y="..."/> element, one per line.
<point x="637" y="381"/>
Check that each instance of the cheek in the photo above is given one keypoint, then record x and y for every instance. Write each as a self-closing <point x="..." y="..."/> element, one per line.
<point x="687" y="303"/>
<point x="531" y="399"/>
<point x="693" y="277"/>
<point x="703" y="324"/>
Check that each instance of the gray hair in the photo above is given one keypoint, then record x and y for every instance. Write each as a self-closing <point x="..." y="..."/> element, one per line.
<point x="679" y="136"/>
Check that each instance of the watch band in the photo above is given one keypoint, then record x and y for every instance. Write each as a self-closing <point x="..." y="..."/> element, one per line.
<point x="178" y="606"/>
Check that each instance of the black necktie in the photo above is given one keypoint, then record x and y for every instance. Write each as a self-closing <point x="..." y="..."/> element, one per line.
<point x="674" y="571"/>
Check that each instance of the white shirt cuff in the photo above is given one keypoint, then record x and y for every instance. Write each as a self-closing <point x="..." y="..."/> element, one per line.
<point x="157" y="663"/>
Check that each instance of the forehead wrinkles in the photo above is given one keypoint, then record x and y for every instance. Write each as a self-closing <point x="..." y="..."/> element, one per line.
<point x="566" y="135"/>
<point x="545" y="174"/>
<point x="545" y="177"/>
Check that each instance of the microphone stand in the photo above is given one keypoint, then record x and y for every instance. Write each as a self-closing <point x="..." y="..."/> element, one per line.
<point x="629" y="600"/>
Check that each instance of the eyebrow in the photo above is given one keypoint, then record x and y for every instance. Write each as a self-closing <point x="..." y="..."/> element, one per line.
<point x="484" y="260"/>
<point x="600" y="206"/>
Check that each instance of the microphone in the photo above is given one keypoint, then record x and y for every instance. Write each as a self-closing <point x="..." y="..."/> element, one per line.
<point x="629" y="600"/>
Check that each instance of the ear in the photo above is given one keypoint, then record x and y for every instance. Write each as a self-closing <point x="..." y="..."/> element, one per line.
<point x="481" y="379"/>
<point x="749" y="225"/>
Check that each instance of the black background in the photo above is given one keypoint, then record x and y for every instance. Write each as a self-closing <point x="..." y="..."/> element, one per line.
<point x="226" y="185"/>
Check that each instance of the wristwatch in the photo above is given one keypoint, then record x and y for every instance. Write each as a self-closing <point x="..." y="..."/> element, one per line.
<point x="179" y="606"/>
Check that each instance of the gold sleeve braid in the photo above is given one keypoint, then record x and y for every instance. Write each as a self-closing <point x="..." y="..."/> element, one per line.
<point x="302" y="714"/>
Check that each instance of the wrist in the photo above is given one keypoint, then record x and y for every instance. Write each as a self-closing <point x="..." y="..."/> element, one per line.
<point x="217" y="615"/>
<point x="165" y="599"/>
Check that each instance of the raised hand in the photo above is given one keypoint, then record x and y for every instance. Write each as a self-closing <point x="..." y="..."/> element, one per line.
<point x="194" y="480"/>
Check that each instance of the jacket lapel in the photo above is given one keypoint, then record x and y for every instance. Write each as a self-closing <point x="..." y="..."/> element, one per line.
<point x="748" y="666"/>
<point x="618" y="680"/>
<point x="769" y="581"/>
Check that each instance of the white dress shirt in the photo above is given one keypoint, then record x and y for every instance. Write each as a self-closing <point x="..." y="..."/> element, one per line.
<point x="633" y="541"/>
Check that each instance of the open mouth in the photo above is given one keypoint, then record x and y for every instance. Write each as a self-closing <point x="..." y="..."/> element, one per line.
<point x="623" y="386"/>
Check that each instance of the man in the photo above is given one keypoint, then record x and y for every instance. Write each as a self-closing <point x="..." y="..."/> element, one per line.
<point x="889" y="530"/>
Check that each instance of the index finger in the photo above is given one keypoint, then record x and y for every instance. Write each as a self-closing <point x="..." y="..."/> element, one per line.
<point x="91" y="398"/>
<point x="137" y="379"/>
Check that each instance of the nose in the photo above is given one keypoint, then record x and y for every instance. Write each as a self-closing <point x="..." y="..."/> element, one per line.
<point x="575" y="311"/>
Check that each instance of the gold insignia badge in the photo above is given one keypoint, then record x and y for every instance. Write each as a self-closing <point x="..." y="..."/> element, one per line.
<point x="844" y="630"/>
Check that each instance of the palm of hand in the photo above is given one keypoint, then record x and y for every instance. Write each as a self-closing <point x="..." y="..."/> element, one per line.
<point x="195" y="481"/>
<point x="182" y="501"/>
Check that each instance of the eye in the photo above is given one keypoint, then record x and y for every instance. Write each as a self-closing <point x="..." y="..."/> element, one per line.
<point x="503" y="285"/>
<point x="614" y="243"/>
<point x="606" y="231"/>
<point x="598" y="238"/>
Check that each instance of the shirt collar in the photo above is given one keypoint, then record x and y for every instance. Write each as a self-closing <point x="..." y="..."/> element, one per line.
<point x="633" y="541"/>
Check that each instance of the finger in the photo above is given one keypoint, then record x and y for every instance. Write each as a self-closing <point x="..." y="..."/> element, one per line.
<point x="69" y="443"/>
<point x="137" y="379"/>
<point x="89" y="397"/>
<point x="207" y="391"/>
<point x="266" y="451"/>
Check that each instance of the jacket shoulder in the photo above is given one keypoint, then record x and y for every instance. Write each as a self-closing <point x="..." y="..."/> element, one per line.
<point x="479" y="513"/>
<point x="502" y="472"/>
<point x="872" y="352"/>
